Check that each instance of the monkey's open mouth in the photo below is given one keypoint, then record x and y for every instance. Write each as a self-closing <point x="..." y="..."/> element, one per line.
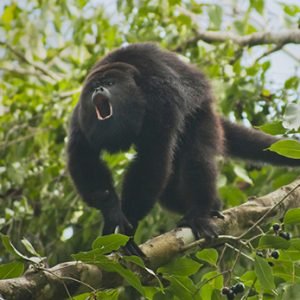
<point x="102" y="106"/>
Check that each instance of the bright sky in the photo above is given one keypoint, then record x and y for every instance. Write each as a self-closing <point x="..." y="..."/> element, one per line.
<point x="283" y="63"/>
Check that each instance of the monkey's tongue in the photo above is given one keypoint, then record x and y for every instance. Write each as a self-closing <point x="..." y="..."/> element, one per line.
<point x="103" y="107"/>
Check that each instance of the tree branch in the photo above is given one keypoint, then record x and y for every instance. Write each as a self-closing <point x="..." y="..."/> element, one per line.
<point x="24" y="72"/>
<point x="43" y="69"/>
<point x="258" y="38"/>
<point x="72" y="278"/>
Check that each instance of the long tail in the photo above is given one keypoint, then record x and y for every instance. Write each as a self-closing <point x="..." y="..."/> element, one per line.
<point x="251" y="144"/>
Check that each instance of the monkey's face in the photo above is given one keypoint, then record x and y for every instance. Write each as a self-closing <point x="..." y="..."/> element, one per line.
<point x="112" y="102"/>
<point x="112" y="89"/>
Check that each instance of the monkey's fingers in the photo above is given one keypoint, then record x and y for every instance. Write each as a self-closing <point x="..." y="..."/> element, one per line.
<point x="201" y="227"/>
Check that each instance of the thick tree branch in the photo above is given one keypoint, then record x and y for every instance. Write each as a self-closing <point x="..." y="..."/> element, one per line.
<point x="258" y="38"/>
<point x="71" y="278"/>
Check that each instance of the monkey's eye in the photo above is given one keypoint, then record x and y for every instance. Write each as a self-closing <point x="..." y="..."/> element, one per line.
<point x="108" y="82"/>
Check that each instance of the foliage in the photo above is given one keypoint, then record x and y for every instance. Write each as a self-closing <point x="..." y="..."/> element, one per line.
<point x="46" y="49"/>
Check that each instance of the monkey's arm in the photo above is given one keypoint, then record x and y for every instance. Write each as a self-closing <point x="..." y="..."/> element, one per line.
<point x="93" y="179"/>
<point x="148" y="174"/>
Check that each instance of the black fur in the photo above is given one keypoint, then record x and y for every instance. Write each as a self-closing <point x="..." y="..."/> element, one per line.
<point x="164" y="107"/>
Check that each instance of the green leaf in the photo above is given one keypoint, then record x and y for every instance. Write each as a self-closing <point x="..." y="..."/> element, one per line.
<point x="184" y="20"/>
<point x="130" y="277"/>
<point x="248" y="278"/>
<point x="258" y="5"/>
<point x="290" y="292"/>
<point x="8" y="14"/>
<point x="239" y="26"/>
<point x="135" y="260"/>
<point x="242" y="174"/>
<point x="288" y="148"/>
<point x="271" y="241"/>
<point x="215" y="13"/>
<point x="273" y="128"/>
<point x="93" y="256"/>
<point x="181" y="266"/>
<point x="264" y="273"/>
<point x="29" y="247"/>
<point x="127" y="274"/>
<point x="182" y="286"/>
<point x="109" y="243"/>
<point x="292" y="83"/>
<point x="292" y="216"/>
<point x="214" y="278"/>
<point x="139" y="262"/>
<point x="208" y="255"/>
<point x="11" y="249"/>
<point x="11" y="270"/>
<point x="291" y="10"/>
<point x="232" y="195"/>
<point x="295" y="244"/>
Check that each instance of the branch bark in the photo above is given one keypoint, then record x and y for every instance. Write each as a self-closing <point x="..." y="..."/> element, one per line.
<point x="72" y="278"/>
<point x="258" y="38"/>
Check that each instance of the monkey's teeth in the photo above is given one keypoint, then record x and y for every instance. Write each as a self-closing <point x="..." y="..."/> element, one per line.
<point x="98" y="114"/>
<point x="103" y="107"/>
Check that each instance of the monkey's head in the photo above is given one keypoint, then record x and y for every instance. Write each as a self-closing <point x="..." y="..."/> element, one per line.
<point x="112" y="102"/>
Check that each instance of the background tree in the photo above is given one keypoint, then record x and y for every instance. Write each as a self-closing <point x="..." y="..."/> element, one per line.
<point x="46" y="49"/>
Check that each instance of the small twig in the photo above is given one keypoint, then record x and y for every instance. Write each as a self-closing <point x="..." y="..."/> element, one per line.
<point x="212" y="278"/>
<point x="62" y="278"/>
<point x="203" y="243"/>
<point x="292" y="55"/>
<point x="63" y="283"/>
<point x="237" y="250"/>
<point x="254" y="237"/>
<point x="249" y="290"/>
<point x="67" y="94"/>
<point x="25" y="72"/>
<point x="23" y="58"/>
<point x="22" y="139"/>
<point x="272" y="50"/>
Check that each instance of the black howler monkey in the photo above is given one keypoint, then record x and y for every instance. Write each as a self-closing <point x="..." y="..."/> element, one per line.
<point x="143" y="96"/>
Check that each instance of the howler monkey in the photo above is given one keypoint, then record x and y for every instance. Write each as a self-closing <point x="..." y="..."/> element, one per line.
<point x="143" y="96"/>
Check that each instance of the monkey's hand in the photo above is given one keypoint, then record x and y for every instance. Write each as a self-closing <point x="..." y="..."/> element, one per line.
<point x="116" y="222"/>
<point x="202" y="226"/>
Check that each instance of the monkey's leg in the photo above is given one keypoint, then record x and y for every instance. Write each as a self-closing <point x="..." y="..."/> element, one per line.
<point x="203" y="142"/>
<point x="200" y="193"/>
<point x="144" y="181"/>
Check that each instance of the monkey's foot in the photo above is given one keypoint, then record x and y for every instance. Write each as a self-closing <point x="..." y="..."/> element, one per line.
<point x="201" y="226"/>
